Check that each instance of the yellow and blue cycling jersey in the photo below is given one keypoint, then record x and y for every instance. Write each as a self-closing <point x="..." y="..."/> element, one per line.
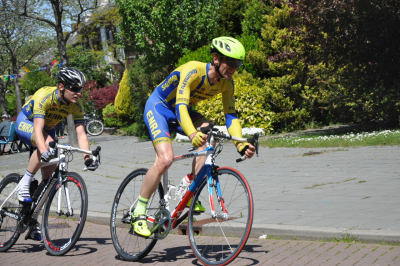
<point x="173" y="98"/>
<point x="46" y="104"/>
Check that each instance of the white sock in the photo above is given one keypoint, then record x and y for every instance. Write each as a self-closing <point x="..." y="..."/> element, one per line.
<point x="26" y="179"/>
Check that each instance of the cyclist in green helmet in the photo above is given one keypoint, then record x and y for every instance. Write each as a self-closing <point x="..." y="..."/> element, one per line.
<point x="169" y="108"/>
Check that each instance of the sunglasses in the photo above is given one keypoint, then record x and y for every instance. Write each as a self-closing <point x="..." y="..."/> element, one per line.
<point x="233" y="63"/>
<point x="74" y="89"/>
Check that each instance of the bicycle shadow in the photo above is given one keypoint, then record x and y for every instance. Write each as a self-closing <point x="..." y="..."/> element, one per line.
<point x="84" y="246"/>
<point x="185" y="253"/>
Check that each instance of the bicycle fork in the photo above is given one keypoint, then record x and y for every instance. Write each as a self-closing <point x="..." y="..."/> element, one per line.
<point x="213" y="182"/>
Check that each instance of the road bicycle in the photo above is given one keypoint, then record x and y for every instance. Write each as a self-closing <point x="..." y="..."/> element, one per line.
<point x="216" y="236"/>
<point x="93" y="125"/>
<point x="65" y="201"/>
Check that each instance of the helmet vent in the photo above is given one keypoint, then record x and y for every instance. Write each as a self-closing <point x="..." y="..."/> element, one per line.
<point x="227" y="47"/>
<point x="220" y="45"/>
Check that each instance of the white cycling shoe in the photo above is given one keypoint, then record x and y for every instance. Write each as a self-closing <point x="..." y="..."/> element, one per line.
<point x="23" y="194"/>
<point x="36" y="233"/>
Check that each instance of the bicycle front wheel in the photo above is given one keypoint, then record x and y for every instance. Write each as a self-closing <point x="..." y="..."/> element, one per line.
<point x="95" y="127"/>
<point x="8" y="225"/>
<point x="221" y="239"/>
<point x="128" y="245"/>
<point x="64" y="214"/>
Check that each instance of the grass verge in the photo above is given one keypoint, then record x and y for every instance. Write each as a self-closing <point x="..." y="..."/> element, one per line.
<point x="386" y="137"/>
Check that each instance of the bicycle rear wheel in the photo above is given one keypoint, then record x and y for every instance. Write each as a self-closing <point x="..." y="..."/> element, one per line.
<point x="62" y="228"/>
<point x="95" y="127"/>
<point x="8" y="226"/>
<point x="132" y="247"/>
<point x="221" y="240"/>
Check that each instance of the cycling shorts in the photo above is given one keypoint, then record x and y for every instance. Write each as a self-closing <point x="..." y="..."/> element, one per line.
<point x="160" y="120"/>
<point x="24" y="129"/>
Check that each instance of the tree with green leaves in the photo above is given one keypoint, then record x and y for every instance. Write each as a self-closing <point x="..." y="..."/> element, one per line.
<point x="20" y="41"/>
<point x="231" y="15"/>
<point x="160" y="31"/>
<point x="89" y="35"/>
<point x="355" y="44"/>
<point x="94" y="68"/>
<point x="165" y="29"/>
<point x="33" y="81"/>
<point x="58" y="15"/>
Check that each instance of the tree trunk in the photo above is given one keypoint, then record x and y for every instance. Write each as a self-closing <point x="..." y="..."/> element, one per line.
<point x="3" y="105"/>
<point x="61" y="45"/>
<point x="18" y="95"/>
<point x="15" y="69"/>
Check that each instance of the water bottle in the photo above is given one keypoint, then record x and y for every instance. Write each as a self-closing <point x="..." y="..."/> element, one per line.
<point x="184" y="185"/>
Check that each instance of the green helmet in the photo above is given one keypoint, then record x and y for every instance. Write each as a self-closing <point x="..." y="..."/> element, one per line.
<point x="229" y="47"/>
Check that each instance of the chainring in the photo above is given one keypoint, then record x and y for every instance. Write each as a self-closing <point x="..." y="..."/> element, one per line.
<point x="165" y="227"/>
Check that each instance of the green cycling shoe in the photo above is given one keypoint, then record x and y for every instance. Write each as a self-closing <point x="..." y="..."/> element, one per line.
<point x="197" y="207"/>
<point x="139" y="224"/>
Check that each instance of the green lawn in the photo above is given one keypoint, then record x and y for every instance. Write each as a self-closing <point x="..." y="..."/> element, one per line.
<point x="386" y="137"/>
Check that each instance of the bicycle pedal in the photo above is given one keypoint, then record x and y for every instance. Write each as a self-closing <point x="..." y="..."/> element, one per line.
<point x="197" y="213"/>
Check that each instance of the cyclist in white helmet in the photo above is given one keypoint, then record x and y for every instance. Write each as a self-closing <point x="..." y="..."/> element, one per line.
<point x="36" y="122"/>
<point x="172" y="101"/>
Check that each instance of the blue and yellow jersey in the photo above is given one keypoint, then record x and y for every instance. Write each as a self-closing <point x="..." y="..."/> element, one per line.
<point x="46" y="104"/>
<point x="189" y="84"/>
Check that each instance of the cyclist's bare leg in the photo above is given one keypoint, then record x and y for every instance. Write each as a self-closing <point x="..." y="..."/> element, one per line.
<point x="34" y="165"/>
<point x="164" y="159"/>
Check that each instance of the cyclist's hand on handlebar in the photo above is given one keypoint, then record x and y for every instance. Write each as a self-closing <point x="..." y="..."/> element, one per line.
<point x="46" y="156"/>
<point x="246" y="149"/>
<point x="90" y="166"/>
<point x="198" y="139"/>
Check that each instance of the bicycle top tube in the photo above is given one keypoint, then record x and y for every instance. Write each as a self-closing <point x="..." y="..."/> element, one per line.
<point x="193" y="154"/>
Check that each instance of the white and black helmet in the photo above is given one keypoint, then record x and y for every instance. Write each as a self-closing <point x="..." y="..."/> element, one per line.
<point x="71" y="76"/>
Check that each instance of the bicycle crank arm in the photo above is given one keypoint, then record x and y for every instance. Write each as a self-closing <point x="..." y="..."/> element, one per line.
<point x="12" y="215"/>
<point x="159" y="224"/>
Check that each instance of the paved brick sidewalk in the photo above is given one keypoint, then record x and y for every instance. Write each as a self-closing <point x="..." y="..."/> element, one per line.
<point x="95" y="248"/>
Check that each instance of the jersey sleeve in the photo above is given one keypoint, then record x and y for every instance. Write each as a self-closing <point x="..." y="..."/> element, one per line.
<point x="78" y="113"/>
<point x="41" y="105"/>
<point x="231" y="119"/>
<point x="189" y="78"/>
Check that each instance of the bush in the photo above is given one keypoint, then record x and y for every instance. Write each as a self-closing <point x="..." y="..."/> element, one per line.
<point x="33" y="81"/>
<point x="142" y="80"/>
<point x="131" y="130"/>
<point x="104" y="96"/>
<point x="202" y="55"/>
<point x="250" y="104"/>
<point x="123" y="100"/>
<point x="110" y="117"/>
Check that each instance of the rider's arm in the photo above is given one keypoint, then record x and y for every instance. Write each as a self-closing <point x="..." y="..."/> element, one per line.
<point x="82" y="139"/>
<point x="79" y="120"/>
<point x="188" y="77"/>
<point x="232" y="122"/>
<point x="38" y="126"/>
<point x="231" y="119"/>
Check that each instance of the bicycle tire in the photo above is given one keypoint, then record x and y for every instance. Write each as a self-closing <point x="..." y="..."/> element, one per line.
<point x="8" y="226"/>
<point x="95" y="127"/>
<point x="130" y="246"/>
<point x="62" y="230"/>
<point x="231" y="234"/>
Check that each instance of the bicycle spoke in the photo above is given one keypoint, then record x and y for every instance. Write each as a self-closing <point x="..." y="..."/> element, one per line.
<point x="62" y="228"/>
<point x="8" y="226"/>
<point x="221" y="240"/>
<point x="130" y="246"/>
